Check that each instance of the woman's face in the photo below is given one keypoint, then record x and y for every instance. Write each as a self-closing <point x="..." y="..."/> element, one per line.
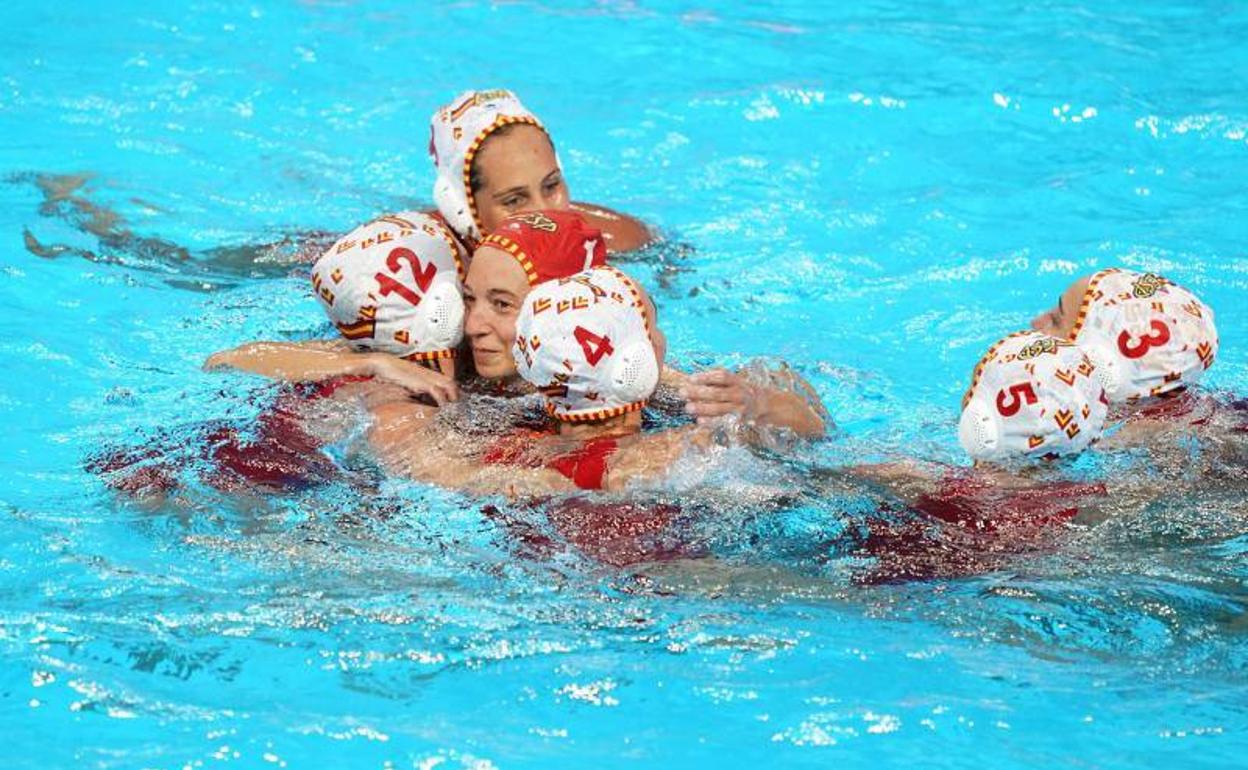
<point x="1059" y="321"/>
<point x="516" y="173"/>
<point x="494" y="291"/>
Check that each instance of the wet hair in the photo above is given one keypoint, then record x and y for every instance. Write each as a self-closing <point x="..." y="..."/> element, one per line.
<point x="476" y="179"/>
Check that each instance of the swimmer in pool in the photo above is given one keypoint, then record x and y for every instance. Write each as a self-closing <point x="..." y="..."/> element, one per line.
<point x="494" y="158"/>
<point x="585" y="342"/>
<point x="405" y="268"/>
<point x="1032" y="397"/>
<point x="1152" y="340"/>
<point x="393" y="292"/>
<point x="557" y="248"/>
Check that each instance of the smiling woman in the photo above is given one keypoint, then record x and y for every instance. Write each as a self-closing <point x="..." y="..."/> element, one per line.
<point x="524" y="251"/>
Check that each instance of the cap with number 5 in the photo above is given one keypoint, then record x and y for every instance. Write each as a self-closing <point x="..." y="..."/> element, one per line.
<point x="1032" y="395"/>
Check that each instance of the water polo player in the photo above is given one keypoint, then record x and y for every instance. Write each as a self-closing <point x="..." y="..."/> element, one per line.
<point x="1151" y="340"/>
<point x="1032" y="395"/>
<point x="494" y="158"/>
<point x="392" y="290"/>
<point x="1147" y="335"/>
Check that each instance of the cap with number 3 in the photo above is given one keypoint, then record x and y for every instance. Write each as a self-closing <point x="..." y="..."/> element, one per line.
<point x="1147" y="335"/>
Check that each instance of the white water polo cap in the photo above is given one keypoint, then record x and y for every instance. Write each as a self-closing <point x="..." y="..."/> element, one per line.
<point x="457" y="132"/>
<point x="393" y="286"/>
<point x="584" y="343"/>
<point x="1032" y="395"/>
<point x="1147" y="335"/>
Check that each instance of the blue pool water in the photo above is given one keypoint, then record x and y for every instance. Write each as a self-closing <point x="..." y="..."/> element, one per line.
<point x="873" y="194"/>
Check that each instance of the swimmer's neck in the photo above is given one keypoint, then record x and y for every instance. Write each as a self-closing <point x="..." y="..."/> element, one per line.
<point x="621" y="425"/>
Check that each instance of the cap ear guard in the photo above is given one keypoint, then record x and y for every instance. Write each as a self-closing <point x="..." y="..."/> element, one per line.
<point x="443" y="309"/>
<point x="979" y="431"/>
<point x="635" y="373"/>
<point x="452" y="204"/>
<point x="1109" y="370"/>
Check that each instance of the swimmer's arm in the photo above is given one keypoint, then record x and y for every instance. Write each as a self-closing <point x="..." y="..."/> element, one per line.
<point x="787" y="402"/>
<point x="651" y="457"/>
<point x="622" y="232"/>
<point x="403" y="439"/>
<point x="309" y="361"/>
<point x="320" y="360"/>
<point x="908" y="480"/>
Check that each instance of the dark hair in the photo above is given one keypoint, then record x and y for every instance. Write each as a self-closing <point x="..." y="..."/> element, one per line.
<point x="476" y="180"/>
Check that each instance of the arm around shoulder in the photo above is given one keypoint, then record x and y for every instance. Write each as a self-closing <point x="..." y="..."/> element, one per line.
<point x="308" y="361"/>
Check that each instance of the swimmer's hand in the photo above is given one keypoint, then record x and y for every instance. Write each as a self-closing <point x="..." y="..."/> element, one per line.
<point x="718" y="392"/>
<point x="414" y="378"/>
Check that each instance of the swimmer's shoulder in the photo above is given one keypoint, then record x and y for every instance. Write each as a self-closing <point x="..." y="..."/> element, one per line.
<point x="650" y="456"/>
<point x="622" y="232"/>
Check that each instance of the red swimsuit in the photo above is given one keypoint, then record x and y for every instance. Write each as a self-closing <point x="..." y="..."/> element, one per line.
<point x="586" y="466"/>
<point x="612" y="532"/>
<point x="989" y="525"/>
<point x="277" y="455"/>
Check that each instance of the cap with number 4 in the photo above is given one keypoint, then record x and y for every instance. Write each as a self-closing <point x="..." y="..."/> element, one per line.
<point x="583" y="341"/>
